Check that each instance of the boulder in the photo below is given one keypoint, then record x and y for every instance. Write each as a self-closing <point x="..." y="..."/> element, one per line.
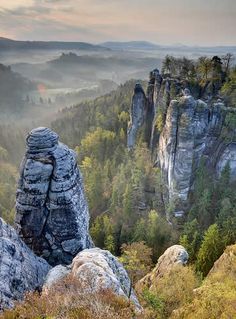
<point x="96" y="270"/>
<point x="174" y="255"/>
<point x="51" y="209"/>
<point x="20" y="269"/>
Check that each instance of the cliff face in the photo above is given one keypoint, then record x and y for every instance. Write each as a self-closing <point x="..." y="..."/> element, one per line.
<point x="186" y="123"/>
<point x="51" y="210"/>
<point x="191" y="132"/>
<point x="142" y="112"/>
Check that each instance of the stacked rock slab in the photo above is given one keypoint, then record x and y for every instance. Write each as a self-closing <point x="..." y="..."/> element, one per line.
<point x="20" y="269"/>
<point x="96" y="270"/>
<point x="51" y="210"/>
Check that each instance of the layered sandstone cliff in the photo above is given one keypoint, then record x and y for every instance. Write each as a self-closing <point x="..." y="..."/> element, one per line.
<point x="182" y="124"/>
<point x="51" y="210"/>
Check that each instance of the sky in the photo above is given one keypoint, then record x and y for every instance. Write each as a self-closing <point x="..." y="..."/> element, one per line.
<point x="189" y="22"/>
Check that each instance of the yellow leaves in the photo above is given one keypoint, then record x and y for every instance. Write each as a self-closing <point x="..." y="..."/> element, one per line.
<point x="87" y="163"/>
<point x="136" y="258"/>
<point x="123" y="117"/>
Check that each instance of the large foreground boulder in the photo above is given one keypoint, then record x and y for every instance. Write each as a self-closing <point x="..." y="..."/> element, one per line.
<point x="174" y="255"/>
<point x="20" y="269"/>
<point x="96" y="270"/>
<point x="51" y="210"/>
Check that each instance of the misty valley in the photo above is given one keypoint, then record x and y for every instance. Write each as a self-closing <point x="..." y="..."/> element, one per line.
<point x="117" y="180"/>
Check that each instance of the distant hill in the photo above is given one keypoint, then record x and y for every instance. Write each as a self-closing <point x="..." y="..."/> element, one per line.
<point x="8" y="44"/>
<point x="131" y="45"/>
<point x="13" y="88"/>
<point x="168" y="49"/>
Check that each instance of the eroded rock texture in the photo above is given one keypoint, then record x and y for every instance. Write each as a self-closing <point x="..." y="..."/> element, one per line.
<point x="51" y="210"/>
<point x="20" y="269"/>
<point x="183" y="124"/>
<point x="96" y="270"/>
<point x="137" y="114"/>
<point x="190" y="133"/>
<point x="143" y="110"/>
<point x="174" y="255"/>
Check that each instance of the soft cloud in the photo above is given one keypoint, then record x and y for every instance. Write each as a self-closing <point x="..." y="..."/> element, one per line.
<point x="187" y="21"/>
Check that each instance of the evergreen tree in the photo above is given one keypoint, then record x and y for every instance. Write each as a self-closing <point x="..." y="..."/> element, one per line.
<point x="210" y="250"/>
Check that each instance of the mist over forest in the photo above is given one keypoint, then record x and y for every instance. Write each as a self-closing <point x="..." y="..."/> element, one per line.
<point x="153" y="130"/>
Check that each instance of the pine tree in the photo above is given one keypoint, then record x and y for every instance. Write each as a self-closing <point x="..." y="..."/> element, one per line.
<point x="210" y="250"/>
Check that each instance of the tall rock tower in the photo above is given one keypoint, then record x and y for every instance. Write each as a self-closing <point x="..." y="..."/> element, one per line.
<point x="51" y="210"/>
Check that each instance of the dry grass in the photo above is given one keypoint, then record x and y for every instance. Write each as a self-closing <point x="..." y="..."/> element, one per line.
<point x="66" y="300"/>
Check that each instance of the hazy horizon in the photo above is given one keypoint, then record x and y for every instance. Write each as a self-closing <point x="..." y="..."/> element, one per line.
<point x="188" y="22"/>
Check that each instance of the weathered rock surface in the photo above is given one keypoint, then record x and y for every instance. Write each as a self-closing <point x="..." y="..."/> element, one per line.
<point x="143" y="110"/>
<point x="137" y="114"/>
<point x="20" y="269"/>
<point x="174" y="255"/>
<point x="228" y="156"/>
<point x="225" y="264"/>
<point x="182" y="125"/>
<point x="96" y="270"/>
<point x="51" y="210"/>
<point x="190" y="132"/>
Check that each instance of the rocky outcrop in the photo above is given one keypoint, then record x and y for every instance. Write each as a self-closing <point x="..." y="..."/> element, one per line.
<point x="226" y="263"/>
<point x="20" y="269"/>
<point x="51" y="210"/>
<point x="190" y="132"/>
<point x="217" y="290"/>
<point x="142" y="112"/>
<point x="137" y="114"/>
<point x="183" y="125"/>
<point x="96" y="270"/>
<point x="174" y="255"/>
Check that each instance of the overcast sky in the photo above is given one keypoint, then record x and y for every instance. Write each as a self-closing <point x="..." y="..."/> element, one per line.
<point x="198" y="22"/>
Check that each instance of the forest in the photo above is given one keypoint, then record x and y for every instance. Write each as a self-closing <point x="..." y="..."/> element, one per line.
<point x="125" y="190"/>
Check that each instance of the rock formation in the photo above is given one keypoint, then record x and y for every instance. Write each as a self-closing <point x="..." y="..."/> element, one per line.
<point x="96" y="270"/>
<point x="183" y="125"/>
<point x="51" y="210"/>
<point x="174" y="255"/>
<point x="142" y="112"/>
<point x="20" y="269"/>
<point x="190" y="132"/>
<point x="217" y="290"/>
<point x="137" y="114"/>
